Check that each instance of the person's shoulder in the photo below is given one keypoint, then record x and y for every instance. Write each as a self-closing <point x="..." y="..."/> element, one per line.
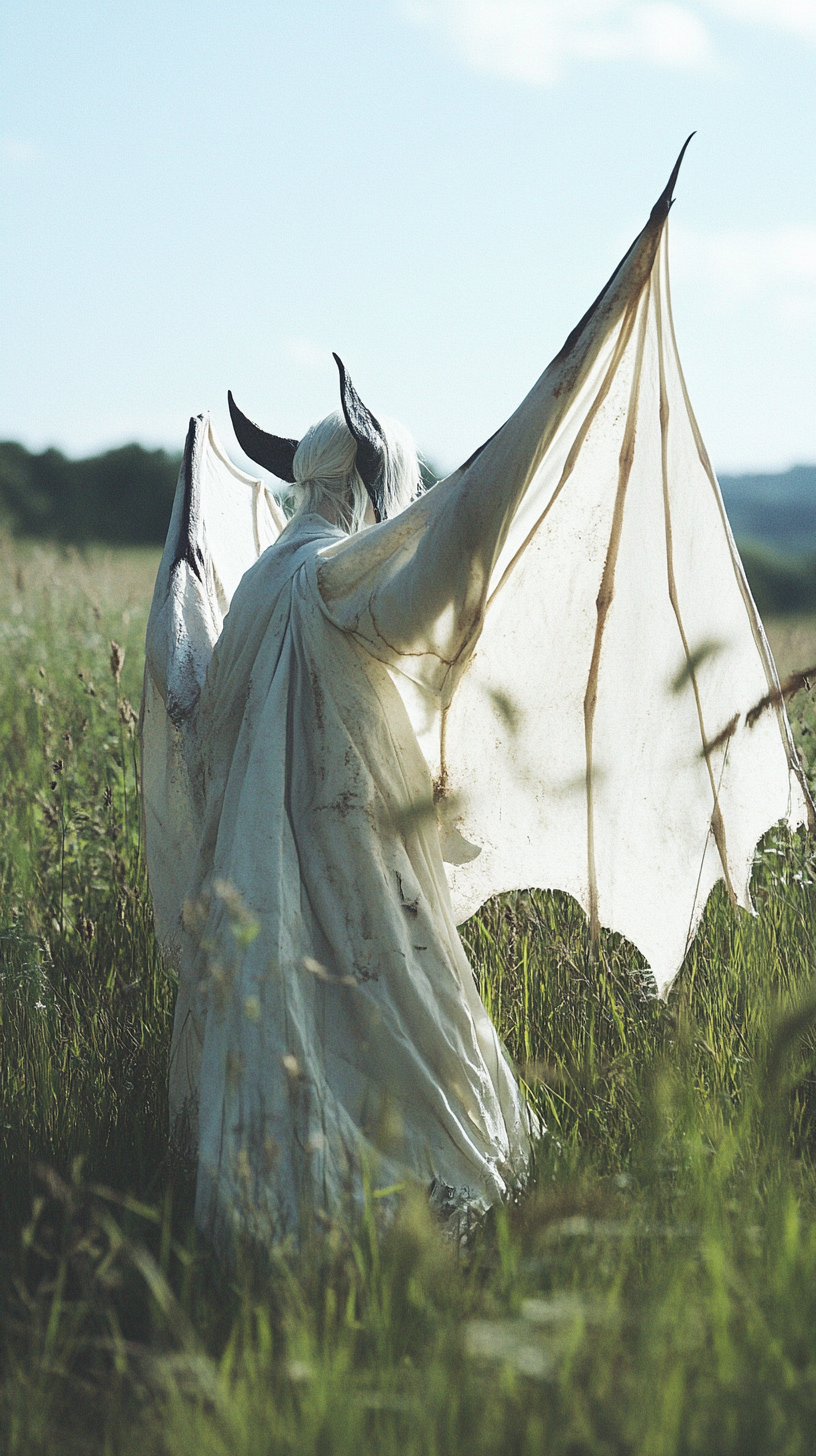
<point x="303" y="537"/>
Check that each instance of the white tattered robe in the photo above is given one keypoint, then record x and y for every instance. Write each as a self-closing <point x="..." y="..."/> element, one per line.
<point x="319" y="811"/>
<point x="542" y="672"/>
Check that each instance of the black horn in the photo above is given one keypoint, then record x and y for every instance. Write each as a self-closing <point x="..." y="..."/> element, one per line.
<point x="273" y="452"/>
<point x="368" y="433"/>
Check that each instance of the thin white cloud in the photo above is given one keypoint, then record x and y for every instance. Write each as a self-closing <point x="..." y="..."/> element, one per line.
<point x="534" y="40"/>
<point x="798" y="16"/>
<point x="773" y="266"/>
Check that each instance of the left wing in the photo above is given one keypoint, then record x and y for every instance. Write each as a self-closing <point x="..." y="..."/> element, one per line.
<point x="221" y="523"/>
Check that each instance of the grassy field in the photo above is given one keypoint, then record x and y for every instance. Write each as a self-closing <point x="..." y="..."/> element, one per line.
<point x="654" y="1291"/>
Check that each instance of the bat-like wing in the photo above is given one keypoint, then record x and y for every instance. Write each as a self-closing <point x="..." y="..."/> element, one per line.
<point x="222" y="520"/>
<point x="602" y="739"/>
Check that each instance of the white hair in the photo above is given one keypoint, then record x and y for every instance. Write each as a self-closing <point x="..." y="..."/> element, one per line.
<point x="327" y="480"/>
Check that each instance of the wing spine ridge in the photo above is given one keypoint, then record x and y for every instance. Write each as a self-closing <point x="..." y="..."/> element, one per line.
<point x="603" y="603"/>
<point x="717" y="823"/>
<point x="757" y="629"/>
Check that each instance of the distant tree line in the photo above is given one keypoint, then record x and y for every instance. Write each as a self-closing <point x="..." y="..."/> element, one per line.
<point x="123" y="497"/>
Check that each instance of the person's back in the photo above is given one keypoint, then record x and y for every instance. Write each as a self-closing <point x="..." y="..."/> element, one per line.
<point x="346" y="1026"/>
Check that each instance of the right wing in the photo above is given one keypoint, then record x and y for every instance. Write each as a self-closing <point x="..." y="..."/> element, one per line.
<point x="222" y="521"/>
<point x="620" y="732"/>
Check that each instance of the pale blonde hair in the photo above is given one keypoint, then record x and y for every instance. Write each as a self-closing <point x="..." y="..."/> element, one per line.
<point x="327" y="480"/>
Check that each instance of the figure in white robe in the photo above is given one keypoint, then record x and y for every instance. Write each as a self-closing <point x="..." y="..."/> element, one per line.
<point x="540" y="673"/>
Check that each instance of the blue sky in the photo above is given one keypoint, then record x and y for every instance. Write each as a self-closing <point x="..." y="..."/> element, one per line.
<point x="199" y="196"/>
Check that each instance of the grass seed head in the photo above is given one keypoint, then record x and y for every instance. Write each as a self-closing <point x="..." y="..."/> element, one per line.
<point x="117" y="660"/>
<point x="127" y="715"/>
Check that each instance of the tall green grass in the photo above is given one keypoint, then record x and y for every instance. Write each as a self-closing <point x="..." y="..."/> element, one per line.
<point x="655" y="1289"/>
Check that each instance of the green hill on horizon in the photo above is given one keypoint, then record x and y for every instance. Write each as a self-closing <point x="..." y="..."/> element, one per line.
<point x="777" y="511"/>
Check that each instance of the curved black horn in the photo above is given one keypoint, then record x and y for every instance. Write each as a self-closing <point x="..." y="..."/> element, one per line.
<point x="273" y="452"/>
<point x="368" y="433"/>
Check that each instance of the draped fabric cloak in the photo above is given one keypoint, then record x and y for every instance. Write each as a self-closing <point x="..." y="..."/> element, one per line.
<point x="539" y="674"/>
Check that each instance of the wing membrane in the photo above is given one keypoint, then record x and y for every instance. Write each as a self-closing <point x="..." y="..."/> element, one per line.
<point x="599" y="741"/>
